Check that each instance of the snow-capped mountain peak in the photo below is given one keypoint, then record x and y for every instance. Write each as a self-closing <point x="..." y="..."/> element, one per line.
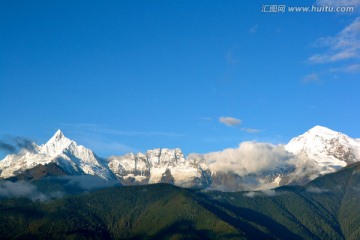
<point x="70" y="157"/>
<point x="329" y="149"/>
<point x="59" y="133"/>
<point x="318" y="151"/>
<point x="56" y="144"/>
<point x="322" y="131"/>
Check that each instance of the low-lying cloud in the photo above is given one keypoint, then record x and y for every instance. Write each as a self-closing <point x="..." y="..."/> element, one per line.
<point x="317" y="190"/>
<point x="248" y="158"/>
<point x="21" y="189"/>
<point x="88" y="182"/>
<point x="268" y="193"/>
<point x="66" y="185"/>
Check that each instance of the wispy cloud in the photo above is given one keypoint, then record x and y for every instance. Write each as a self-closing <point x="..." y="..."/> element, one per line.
<point x="229" y="121"/>
<point x="14" y="144"/>
<point x="6" y="147"/>
<point x="345" y="45"/>
<point x="230" y="57"/>
<point x="254" y="29"/>
<point x="108" y="146"/>
<point x="352" y="68"/>
<point x="313" y="77"/>
<point x="338" y="3"/>
<point x="101" y="129"/>
<point x="317" y="190"/>
<point x="268" y="193"/>
<point x="206" y="119"/>
<point x="251" y="130"/>
<point x="106" y="140"/>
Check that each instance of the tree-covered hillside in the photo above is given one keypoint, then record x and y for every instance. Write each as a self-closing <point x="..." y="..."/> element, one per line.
<point x="326" y="208"/>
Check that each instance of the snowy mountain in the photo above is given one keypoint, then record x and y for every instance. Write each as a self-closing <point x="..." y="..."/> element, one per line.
<point x="317" y="152"/>
<point x="159" y="165"/>
<point x="251" y="166"/>
<point x="327" y="149"/>
<point x="65" y="153"/>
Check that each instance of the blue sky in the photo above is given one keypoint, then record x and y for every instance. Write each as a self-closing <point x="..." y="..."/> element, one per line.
<point x="120" y="76"/>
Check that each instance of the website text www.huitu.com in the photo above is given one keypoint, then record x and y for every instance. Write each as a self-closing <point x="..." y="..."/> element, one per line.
<point x="307" y="9"/>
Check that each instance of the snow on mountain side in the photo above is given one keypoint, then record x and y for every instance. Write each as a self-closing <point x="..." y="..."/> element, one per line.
<point x="250" y="166"/>
<point x="255" y="165"/>
<point x="72" y="158"/>
<point x="157" y="165"/>
<point x="328" y="149"/>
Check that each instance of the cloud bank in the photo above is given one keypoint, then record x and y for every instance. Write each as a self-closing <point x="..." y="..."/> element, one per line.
<point x="248" y="158"/>
<point x="66" y="185"/>
<point x="20" y="189"/>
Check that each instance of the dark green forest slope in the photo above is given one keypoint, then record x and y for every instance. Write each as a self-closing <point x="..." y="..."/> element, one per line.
<point x="326" y="208"/>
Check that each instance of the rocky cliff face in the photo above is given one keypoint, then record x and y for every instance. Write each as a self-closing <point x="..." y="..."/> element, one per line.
<point x="159" y="165"/>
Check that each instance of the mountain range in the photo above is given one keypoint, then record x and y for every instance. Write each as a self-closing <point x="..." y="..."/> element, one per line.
<point x="251" y="166"/>
<point x="306" y="189"/>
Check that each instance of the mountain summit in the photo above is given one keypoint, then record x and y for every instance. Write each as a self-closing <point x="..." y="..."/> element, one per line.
<point x="57" y="144"/>
<point x="58" y="137"/>
<point x="330" y="150"/>
<point x="73" y="159"/>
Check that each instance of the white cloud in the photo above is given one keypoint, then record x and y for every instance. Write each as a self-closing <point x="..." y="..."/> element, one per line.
<point x="338" y="3"/>
<point x="313" y="77"/>
<point x="20" y="189"/>
<point x="251" y="130"/>
<point x="248" y="158"/>
<point x="250" y="194"/>
<point x="268" y="193"/>
<point x="352" y="68"/>
<point x="345" y="45"/>
<point x="229" y="121"/>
